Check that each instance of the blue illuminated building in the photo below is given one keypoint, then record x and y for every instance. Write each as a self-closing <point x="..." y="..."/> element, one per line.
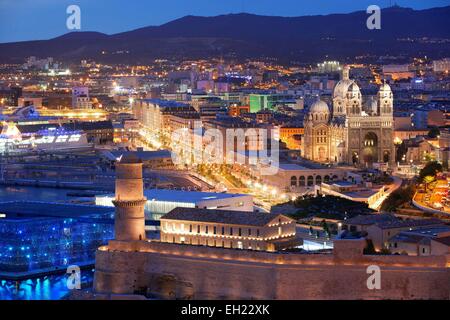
<point x="40" y="237"/>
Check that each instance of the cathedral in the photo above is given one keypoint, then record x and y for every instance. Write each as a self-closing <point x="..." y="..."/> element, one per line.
<point x="355" y="131"/>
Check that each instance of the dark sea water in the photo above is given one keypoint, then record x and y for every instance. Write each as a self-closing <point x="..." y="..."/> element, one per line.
<point x="34" y="194"/>
<point x="53" y="287"/>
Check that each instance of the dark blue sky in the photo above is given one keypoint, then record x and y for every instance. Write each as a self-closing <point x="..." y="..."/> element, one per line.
<point x="42" y="19"/>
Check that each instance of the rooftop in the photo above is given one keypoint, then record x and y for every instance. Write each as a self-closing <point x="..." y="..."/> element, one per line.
<point x="370" y="219"/>
<point x="142" y="155"/>
<point x="165" y="103"/>
<point x="408" y="238"/>
<point x="32" y="210"/>
<point x="220" y="216"/>
<point x="187" y="196"/>
<point x="409" y="223"/>
<point x="443" y="240"/>
<point x="184" y="196"/>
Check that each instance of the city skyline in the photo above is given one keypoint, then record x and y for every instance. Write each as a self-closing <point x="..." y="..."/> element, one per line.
<point x="39" y="20"/>
<point x="282" y="154"/>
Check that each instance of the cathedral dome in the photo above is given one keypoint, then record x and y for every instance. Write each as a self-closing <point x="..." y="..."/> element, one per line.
<point x="385" y="87"/>
<point x="342" y="87"/>
<point x="319" y="107"/>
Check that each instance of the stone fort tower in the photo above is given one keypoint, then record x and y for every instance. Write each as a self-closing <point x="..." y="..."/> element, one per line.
<point x="129" y="202"/>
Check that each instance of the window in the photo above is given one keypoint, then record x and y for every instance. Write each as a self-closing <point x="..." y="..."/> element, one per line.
<point x="249" y="232"/>
<point x="198" y="229"/>
<point x="206" y="229"/>
<point x="294" y="181"/>
<point x="302" y="181"/>
<point x="310" y="181"/>
<point x="257" y="232"/>
<point x="231" y="231"/>
<point x="240" y="233"/>
<point x="215" y="229"/>
<point x="223" y="230"/>
<point x="190" y="228"/>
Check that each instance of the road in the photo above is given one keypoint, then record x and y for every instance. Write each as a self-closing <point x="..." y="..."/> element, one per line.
<point x="392" y="187"/>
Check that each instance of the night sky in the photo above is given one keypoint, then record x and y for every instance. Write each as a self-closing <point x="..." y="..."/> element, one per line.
<point x="43" y="19"/>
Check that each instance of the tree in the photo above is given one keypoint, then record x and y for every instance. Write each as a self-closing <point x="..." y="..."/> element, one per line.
<point x="428" y="180"/>
<point x="397" y="198"/>
<point x="434" y="132"/>
<point x="370" y="248"/>
<point x="430" y="169"/>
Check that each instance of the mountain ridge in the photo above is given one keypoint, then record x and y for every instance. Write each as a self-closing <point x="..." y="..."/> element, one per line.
<point x="245" y="35"/>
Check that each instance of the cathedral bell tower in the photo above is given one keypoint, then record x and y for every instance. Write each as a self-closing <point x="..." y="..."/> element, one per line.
<point x="345" y="73"/>
<point x="385" y="99"/>
<point x="129" y="202"/>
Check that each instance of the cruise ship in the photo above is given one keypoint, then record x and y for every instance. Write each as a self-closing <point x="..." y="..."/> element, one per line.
<point x="57" y="138"/>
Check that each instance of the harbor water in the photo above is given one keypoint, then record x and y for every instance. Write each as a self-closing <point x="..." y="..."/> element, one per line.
<point x="51" y="287"/>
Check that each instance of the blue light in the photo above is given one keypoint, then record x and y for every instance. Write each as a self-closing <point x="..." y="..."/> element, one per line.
<point x="21" y="237"/>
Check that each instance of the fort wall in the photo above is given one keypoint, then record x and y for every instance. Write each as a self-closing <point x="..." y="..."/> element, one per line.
<point x="169" y="271"/>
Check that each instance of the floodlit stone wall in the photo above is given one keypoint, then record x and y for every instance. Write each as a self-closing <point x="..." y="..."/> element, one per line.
<point x="169" y="271"/>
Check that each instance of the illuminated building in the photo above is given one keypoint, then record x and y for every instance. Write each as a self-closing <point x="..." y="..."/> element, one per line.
<point x="236" y="110"/>
<point x="418" y="242"/>
<point x="299" y="177"/>
<point x="292" y="137"/>
<point x="441" y="65"/>
<point x="10" y="96"/>
<point x="155" y="113"/>
<point x="353" y="132"/>
<point x="360" y="193"/>
<point x="397" y="72"/>
<point x="38" y="236"/>
<point x="30" y="101"/>
<point x="161" y="201"/>
<point x="260" y="102"/>
<point x="53" y="138"/>
<point x="228" y="229"/>
<point x="328" y="66"/>
<point x="80" y="98"/>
